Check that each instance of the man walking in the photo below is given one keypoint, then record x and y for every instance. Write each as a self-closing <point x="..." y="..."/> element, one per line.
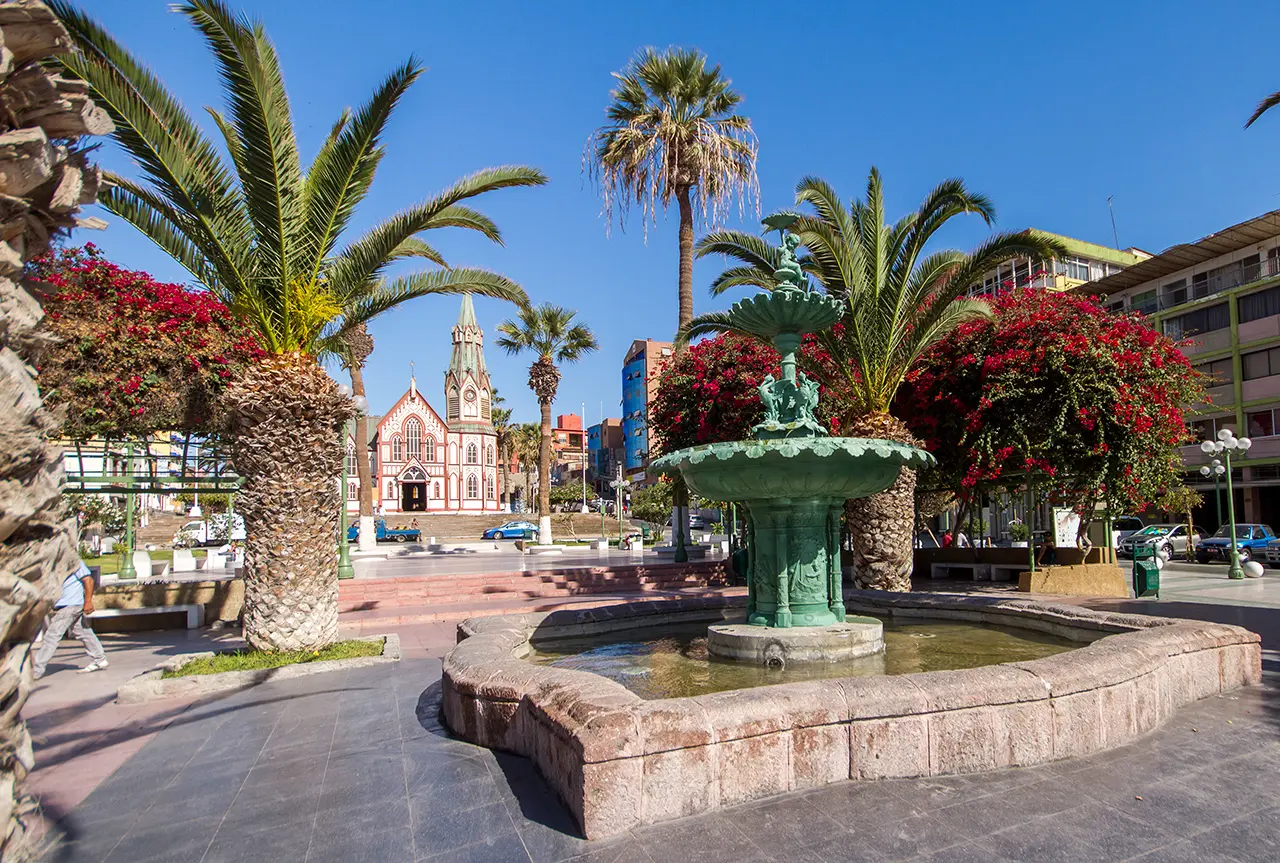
<point x="69" y="613"/>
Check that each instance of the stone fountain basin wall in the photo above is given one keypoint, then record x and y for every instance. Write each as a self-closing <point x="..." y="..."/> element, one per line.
<point x="618" y="761"/>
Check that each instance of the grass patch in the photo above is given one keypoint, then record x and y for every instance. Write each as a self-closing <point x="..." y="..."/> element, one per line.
<point x="252" y="660"/>
<point x="110" y="563"/>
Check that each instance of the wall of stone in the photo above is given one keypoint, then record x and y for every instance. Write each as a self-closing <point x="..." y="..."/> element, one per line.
<point x="618" y="761"/>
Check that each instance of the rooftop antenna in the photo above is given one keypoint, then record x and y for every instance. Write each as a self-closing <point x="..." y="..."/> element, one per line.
<point x="1114" y="235"/>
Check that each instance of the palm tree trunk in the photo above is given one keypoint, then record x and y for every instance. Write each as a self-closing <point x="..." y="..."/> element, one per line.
<point x="502" y="470"/>
<point x="37" y="538"/>
<point x="362" y="445"/>
<point x="686" y="254"/>
<point x="544" y="461"/>
<point x="287" y="416"/>
<point x="881" y="526"/>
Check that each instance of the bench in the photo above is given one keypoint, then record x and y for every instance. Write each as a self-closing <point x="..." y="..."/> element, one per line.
<point x="194" y="612"/>
<point x="185" y="561"/>
<point x="1007" y="571"/>
<point x="143" y="566"/>
<point x="978" y="571"/>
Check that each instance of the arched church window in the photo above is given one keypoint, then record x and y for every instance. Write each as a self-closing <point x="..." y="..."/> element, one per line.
<point x="351" y="459"/>
<point x="469" y="402"/>
<point x="414" y="475"/>
<point x="452" y="403"/>
<point x="473" y="487"/>
<point x="435" y="490"/>
<point x="488" y="454"/>
<point x="473" y="455"/>
<point x="413" y="437"/>
<point x="488" y="488"/>
<point x="429" y="449"/>
<point x="397" y="449"/>
<point x="485" y="413"/>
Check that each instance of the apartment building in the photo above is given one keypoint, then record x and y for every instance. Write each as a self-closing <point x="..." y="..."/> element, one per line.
<point x="1222" y="293"/>
<point x="605" y="451"/>
<point x="640" y="369"/>
<point x="1085" y="262"/>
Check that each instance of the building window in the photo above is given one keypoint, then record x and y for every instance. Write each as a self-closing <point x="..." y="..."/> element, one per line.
<point x="351" y="460"/>
<point x="489" y="490"/>
<point x="391" y="488"/>
<point x="451" y="406"/>
<point x="473" y="454"/>
<point x="473" y="487"/>
<point x="1261" y="305"/>
<point x="435" y="490"/>
<point x="429" y="449"/>
<point x="397" y="449"/>
<point x="353" y="491"/>
<point x="488" y="454"/>
<point x="1260" y="423"/>
<point x="484" y="405"/>
<point x="1174" y="294"/>
<point x="1219" y="370"/>
<point x="1200" y="321"/>
<point x="1260" y="364"/>
<point x="373" y="462"/>
<point x="1144" y="302"/>
<point x="1208" y="429"/>
<point x="413" y="438"/>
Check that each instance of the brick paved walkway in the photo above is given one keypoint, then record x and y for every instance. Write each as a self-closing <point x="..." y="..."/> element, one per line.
<point x="354" y="766"/>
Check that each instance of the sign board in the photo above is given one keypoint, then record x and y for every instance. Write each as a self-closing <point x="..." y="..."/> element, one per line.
<point x="1066" y="525"/>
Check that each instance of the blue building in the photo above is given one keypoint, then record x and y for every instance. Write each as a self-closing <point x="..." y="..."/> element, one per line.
<point x="604" y="453"/>
<point x="639" y="384"/>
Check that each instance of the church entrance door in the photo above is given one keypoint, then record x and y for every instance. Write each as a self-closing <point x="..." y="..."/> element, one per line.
<point x="413" y="491"/>
<point x="413" y="496"/>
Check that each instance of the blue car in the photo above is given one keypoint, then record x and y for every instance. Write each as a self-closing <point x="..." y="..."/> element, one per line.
<point x="513" y="530"/>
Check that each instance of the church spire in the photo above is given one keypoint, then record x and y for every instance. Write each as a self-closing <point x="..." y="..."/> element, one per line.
<point x="468" y="394"/>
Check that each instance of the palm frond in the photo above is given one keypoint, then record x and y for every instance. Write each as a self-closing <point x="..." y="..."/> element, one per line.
<point x="1263" y="107"/>
<point x="711" y="323"/>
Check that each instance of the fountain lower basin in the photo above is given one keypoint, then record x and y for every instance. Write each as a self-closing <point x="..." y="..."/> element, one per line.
<point x="618" y="760"/>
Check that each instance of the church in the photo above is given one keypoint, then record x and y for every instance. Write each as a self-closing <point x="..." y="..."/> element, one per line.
<point x="422" y="461"/>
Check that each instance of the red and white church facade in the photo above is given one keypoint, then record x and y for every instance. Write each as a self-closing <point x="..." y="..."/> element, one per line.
<point x="424" y="462"/>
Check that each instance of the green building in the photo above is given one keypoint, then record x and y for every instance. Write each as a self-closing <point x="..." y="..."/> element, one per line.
<point x="1222" y="293"/>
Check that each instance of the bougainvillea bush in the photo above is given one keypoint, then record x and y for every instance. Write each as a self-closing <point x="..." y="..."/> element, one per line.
<point x="1086" y="403"/>
<point x="129" y="355"/>
<point x="708" y="392"/>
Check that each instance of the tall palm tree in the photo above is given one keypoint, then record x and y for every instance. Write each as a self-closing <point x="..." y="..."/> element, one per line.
<point x="900" y="301"/>
<point x="527" y="444"/>
<point x="549" y="332"/>
<point x="672" y="133"/>
<point x="357" y="345"/>
<point x="504" y="432"/>
<point x="262" y="234"/>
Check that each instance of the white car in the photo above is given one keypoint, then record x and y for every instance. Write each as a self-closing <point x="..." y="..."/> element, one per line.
<point x="213" y="531"/>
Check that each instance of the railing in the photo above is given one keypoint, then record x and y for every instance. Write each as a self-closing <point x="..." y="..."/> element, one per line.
<point x="1214" y="282"/>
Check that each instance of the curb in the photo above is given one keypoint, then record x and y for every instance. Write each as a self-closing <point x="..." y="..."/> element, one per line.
<point x="151" y="685"/>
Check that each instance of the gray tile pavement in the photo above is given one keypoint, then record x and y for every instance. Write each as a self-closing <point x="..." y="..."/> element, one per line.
<point x="355" y="766"/>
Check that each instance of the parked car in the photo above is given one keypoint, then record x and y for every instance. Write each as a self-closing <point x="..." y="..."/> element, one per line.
<point x="512" y="530"/>
<point x="1126" y="525"/>
<point x="212" y="531"/>
<point x="1271" y="554"/>
<point x="1250" y="539"/>
<point x="386" y="534"/>
<point x="1170" y="537"/>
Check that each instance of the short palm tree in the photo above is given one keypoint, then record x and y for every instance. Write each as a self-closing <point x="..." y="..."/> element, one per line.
<point x="527" y="445"/>
<point x="262" y="234"/>
<point x="504" y="432"/>
<point x="357" y="345"/>
<point x="673" y="133"/>
<point x="548" y="331"/>
<point x="900" y="302"/>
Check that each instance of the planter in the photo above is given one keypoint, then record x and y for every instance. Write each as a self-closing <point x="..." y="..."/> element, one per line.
<point x="152" y="685"/>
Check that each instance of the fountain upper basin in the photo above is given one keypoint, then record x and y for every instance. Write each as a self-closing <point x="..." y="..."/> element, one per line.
<point x="789" y="468"/>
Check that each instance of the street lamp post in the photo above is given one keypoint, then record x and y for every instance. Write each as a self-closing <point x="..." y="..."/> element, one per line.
<point x="1226" y="444"/>
<point x="127" y="570"/>
<point x="619" y="486"/>
<point x="345" y="569"/>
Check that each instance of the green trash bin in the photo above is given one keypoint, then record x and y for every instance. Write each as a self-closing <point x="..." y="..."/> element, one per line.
<point x="1146" y="571"/>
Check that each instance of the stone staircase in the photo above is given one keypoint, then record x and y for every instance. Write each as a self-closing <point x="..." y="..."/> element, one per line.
<point x="401" y="600"/>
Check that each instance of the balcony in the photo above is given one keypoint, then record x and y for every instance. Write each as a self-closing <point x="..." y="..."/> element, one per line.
<point x="1213" y="282"/>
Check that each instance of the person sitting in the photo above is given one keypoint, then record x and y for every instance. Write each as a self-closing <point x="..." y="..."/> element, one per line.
<point x="1047" y="553"/>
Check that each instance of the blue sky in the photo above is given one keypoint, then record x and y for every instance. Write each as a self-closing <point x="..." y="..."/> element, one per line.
<point x="1047" y="108"/>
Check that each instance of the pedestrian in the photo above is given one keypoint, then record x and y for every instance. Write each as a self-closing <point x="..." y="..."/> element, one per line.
<point x="69" y="613"/>
<point x="413" y="523"/>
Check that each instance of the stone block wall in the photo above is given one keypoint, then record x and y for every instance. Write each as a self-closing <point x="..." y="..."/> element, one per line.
<point x="618" y="761"/>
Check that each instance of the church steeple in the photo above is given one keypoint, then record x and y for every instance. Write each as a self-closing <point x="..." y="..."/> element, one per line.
<point x="466" y="383"/>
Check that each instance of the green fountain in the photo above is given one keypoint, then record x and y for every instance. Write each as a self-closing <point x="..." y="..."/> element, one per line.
<point x="792" y="479"/>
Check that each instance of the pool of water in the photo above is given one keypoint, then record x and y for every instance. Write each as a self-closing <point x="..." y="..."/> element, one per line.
<point x="672" y="661"/>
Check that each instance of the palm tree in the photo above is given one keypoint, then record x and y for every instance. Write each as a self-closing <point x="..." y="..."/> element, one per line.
<point x="527" y="444"/>
<point x="1263" y="107"/>
<point x="504" y="432"/>
<point x="262" y="234"/>
<point x="357" y="346"/>
<point x="549" y="332"/>
<point x="900" y="302"/>
<point x="672" y="133"/>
